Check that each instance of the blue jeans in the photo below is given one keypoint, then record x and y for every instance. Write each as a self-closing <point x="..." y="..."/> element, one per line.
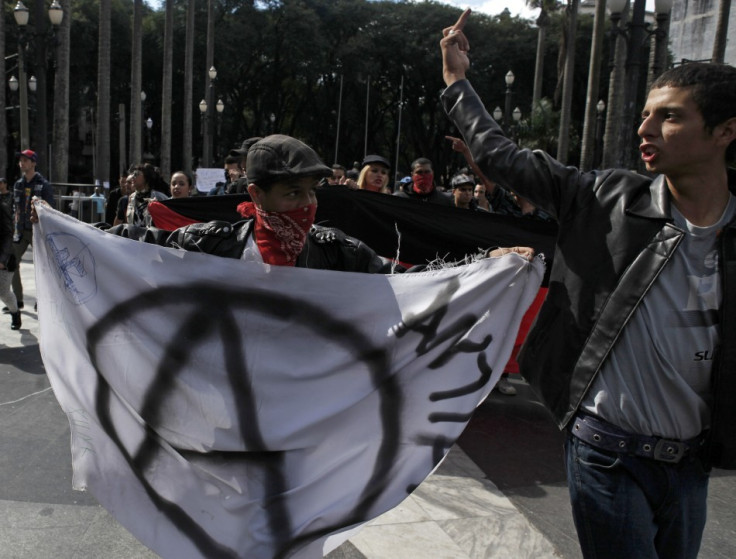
<point x="628" y="507"/>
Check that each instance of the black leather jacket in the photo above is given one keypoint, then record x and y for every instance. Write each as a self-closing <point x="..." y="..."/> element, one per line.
<point x="615" y="236"/>
<point x="326" y="248"/>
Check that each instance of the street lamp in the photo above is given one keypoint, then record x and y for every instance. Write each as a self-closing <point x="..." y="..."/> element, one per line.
<point x="220" y="107"/>
<point x="497" y="114"/>
<point x="203" y="114"/>
<point x="600" y="109"/>
<point x="32" y="84"/>
<point x="516" y="115"/>
<point x="662" y="8"/>
<point x="149" y="152"/>
<point x="509" y="78"/>
<point x="20" y="13"/>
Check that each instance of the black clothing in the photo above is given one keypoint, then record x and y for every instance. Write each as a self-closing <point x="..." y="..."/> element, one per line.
<point x="326" y="248"/>
<point x="616" y="234"/>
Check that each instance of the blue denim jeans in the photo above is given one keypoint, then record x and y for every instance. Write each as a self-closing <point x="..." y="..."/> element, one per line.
<point x="628" y="507"/>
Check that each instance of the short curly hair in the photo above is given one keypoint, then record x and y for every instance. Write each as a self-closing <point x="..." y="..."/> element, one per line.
<point x="713" y="90"/>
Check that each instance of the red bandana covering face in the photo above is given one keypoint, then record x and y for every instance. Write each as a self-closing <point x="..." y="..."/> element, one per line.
<point x="423" y="184"/>
<point x="280" y="236"/>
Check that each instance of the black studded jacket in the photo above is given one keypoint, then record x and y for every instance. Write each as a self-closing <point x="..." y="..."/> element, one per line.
<point x="326" y="248"/>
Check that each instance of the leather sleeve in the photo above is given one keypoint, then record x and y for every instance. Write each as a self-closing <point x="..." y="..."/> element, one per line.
<point x="535" y="175"/>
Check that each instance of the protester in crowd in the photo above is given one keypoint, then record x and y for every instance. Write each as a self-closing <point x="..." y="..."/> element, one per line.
<point x="622" y="351"/>
<point x="374" y="174"/>
<point x="124" y="188"/>
<point x="98" y="204"/>
<point x="338" y="175"/>
<point x="233" y="171"/>
<point x="147" y="185"/>
<point x="31" y="183"/>
<point x="279" y="224"/>
<point x="422" y="187"/>
<point x="462" y="192"/>
<point x="7" y="256"/>
<point x="240" y="184"/>
<point x="74" y="204"/>
<point x="479" y="193"/>
<point x="182" y="185"/>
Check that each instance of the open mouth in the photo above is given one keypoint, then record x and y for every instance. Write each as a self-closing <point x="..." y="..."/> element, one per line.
<point x="648" y="153"/>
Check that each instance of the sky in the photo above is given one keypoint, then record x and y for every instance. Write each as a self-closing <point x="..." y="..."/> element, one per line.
<point x="492" y="7"/>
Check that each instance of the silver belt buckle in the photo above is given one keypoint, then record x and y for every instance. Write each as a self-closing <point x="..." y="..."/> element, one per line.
<point x="669" y="451"/>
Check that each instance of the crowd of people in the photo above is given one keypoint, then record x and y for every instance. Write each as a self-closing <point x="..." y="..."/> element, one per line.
<point x="629" y="350"/>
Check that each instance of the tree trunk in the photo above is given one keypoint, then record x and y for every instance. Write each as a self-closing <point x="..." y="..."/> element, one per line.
<point x="187" y="148"/>
<point x="719" y="44"/>
<point x="102" y="144"/>
<point x="40" y="138"/>
<point x="614" y="109"/>
<point x="563" y="139"/>
<point x="209" y="121"/>
<point x="591" y="98"/>
<point x="166" y="91"/>
<point x="542" y="22"/>
<point x="5" y="117"/>
<point x="135" y="153"/>
<point x="59" y="158"/>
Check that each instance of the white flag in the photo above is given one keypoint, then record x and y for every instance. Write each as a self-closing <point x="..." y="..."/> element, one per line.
<point x="221" y="408"/>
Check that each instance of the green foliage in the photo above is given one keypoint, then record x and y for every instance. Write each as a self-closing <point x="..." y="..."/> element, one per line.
<point x="286" y="58"/>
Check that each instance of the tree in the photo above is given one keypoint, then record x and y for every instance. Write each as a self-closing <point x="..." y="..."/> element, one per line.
<point x="166" y="87"/>
<point x="545" y="7"/>
<point x="188" y="79"/>
<point x="102" y="143"/>
<point x="60" y="133"/>
<point x="572" y="19"/>
<point x="136" y="122"/>
<point x="719" y="43"/>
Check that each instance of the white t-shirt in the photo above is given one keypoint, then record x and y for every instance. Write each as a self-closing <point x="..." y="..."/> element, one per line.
<point x="657" y="379"/>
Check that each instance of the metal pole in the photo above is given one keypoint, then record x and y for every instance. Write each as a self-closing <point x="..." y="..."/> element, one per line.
<point x="398" y="130"/>
<point x="507" y="111"/>
<point x="24" y="139"/>
<point x="339" y="115"/>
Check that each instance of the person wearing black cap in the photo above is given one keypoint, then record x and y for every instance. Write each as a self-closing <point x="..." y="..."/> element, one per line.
<point x="374" y="174"/>
<point x="278" y="226"/>
<point x="7" y="256"/>
<point x="31" y="183"/>
<point x="238" y="185"/>
<point x="462" y="192"/>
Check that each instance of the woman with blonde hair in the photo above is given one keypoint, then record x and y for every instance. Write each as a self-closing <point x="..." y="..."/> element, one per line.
<point x="374" y="174"/>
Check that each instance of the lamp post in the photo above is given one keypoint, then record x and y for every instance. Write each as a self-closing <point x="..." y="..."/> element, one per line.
<point x="509" y="78"/>
<point x="203" y="114"/>
<point x="20" y="13"/>
<point x="498" y="114"/>
<point x="220" y="107"/>
<point x="659" y="56"/>
<point x="209" y="106"/>
<point x="516" y="115"/>
<point x="21" y="16"/>
<point x="600" y="110"/>
<point x="148" y="155"/>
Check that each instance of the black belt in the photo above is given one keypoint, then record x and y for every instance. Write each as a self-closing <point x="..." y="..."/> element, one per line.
<point x="606" y="436"/>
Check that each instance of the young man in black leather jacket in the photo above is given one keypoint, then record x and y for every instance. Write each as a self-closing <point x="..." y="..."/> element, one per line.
<point x="634" y="349"/>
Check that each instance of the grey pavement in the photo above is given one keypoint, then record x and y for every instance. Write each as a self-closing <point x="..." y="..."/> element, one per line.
<point x="500" y="493"/>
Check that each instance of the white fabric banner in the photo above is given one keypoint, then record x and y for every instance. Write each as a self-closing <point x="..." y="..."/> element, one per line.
<point x="220" y="408"/>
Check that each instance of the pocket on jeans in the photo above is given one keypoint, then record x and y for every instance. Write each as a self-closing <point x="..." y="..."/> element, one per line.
<point x="595" y="457"/>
